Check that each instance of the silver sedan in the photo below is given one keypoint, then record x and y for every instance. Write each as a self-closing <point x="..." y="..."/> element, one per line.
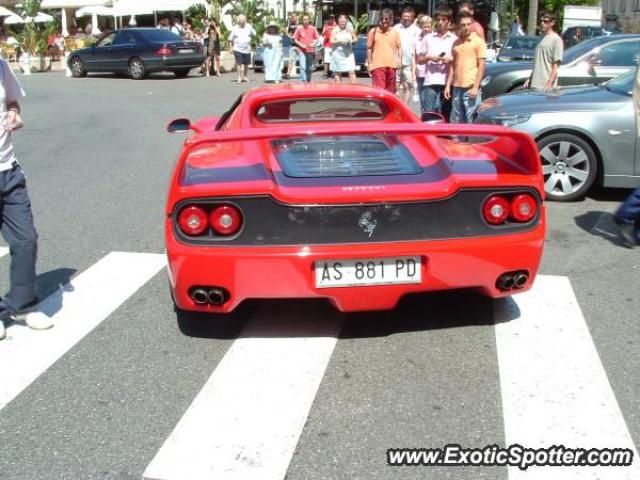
<point x="584" y="134"/>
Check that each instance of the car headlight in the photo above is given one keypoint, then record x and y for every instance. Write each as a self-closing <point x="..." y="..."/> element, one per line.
<point x="485" y="81"/>
<point x="504" y="59"/>
<point x="509" y="120"/>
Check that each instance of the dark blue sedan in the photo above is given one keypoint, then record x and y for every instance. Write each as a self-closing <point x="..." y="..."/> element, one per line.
<point x="138" y="52"/>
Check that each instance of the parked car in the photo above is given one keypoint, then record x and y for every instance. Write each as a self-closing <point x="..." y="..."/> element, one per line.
<point x="338" y="191"/>
<point x="590" y="62"/>
<point x="568" y="36"/>
<point x="518" y="48"/>
<point x="138" y="52"/>
<point x="583" y="133"/>
<point x="360" y="54"/>
<point x="258" y="59"/>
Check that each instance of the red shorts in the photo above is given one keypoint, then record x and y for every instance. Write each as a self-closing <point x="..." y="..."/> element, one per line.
<point x="384" y="77"/>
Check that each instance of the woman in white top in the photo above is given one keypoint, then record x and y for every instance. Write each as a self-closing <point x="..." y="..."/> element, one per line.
<point x="272" y="54"/>
<point x="342" y="59"/>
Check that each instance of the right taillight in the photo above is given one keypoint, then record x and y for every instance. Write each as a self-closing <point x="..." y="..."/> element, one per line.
<point x="523" y="207"/>
<point x="496" y="209"/>
<point x="193" y="220"/>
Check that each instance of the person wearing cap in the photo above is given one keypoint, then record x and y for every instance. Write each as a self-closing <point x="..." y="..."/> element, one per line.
<point x="548" y="56"/>
<point x="16" y="219"/>
<point x="272" y="53"/>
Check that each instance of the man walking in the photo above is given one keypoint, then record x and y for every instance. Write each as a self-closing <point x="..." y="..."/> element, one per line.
<point x="469" y="53"/>
<point x="383" y="52"/>
<point x="240" y="37"/>
<point x="434" y="53"/>
<point x="305" y="38"/>
<point x="409" y="33"/>
<point x="628" y="215"/>
<point x="294" y="52"/>
<point x="16" y="219"/>
<point x="547" y="57"/>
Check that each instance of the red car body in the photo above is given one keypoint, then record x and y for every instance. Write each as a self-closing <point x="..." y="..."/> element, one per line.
<point x="320" y="181"/>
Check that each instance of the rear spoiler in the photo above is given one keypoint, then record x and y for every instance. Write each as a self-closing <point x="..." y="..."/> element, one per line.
<point x="454" y="142"/>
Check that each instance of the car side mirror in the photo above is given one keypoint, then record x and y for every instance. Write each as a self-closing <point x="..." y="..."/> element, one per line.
<point x="179" y="125"/>
<point x="432" y="118"/>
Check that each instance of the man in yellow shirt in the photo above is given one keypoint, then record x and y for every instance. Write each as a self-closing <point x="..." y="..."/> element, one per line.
<point x="383" y="52"/>
<point x="469" y="53"/>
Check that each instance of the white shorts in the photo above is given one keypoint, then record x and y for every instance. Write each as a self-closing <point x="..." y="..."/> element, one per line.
<point x="405" y="74"/>
<point x="327" y="54"/>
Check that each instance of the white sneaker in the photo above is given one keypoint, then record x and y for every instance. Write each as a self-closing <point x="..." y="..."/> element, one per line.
<point x="3" y="332"/>
<point x="38" y="321"/>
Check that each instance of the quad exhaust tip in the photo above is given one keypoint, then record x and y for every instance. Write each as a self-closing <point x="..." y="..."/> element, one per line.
<point x="209" y="295"/>
<point x="512" y="280"/>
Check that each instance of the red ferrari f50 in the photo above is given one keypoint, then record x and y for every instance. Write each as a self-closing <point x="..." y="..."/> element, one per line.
<point x="340" y="192"/>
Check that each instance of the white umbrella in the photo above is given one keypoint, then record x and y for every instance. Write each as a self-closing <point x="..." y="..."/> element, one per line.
<point x="5" y="12"/>
<point x="39" y="18"/>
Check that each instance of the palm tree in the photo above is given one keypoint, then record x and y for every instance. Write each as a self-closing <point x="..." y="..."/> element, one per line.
<point x="533" y="17"/>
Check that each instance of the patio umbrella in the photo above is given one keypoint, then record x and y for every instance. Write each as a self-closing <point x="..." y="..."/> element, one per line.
<point x="39" y="18"/>
<point x="5" y="12"/>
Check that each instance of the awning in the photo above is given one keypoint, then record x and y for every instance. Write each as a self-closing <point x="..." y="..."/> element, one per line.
<point x="155" y="5"/>
<point x="39" y="18"/>
<point x="73" y="3"/>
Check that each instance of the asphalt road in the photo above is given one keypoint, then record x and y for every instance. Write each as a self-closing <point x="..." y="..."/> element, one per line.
<point x="427" y="374"/>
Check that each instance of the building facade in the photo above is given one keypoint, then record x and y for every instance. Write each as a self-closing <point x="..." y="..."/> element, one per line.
<point x="625" y="14"/>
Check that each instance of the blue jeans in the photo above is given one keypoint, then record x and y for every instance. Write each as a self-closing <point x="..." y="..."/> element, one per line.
<point x="463" y="107"/>
<point x="307" y="62"/>
<point x="431" y="97"/>
<point x="629" y="212"/>
<point x="18" y="230"/>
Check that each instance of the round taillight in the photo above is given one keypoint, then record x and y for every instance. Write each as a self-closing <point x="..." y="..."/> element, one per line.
<point x="192" y="220"/>
<point x="495" y="210"/>
<point x="523" y="207"/>
<point x="225" y="220"/>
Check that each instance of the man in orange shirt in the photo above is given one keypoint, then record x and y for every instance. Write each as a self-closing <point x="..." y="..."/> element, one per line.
<point x="383" y="52"/>
<point x="469" y="53"/>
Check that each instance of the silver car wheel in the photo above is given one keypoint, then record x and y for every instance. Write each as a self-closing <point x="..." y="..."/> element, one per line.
<point x="565" y="167"/>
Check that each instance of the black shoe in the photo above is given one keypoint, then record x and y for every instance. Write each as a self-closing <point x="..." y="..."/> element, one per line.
<point x="627" y="233"/>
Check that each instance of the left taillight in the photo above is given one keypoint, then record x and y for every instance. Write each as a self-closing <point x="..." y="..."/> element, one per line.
<point x="163" y="52"/>
<point x="225" y="220"/>
<point x="193" y="220"/>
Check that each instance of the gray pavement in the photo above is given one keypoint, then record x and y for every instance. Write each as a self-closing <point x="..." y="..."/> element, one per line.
<point x="98" y="163"/>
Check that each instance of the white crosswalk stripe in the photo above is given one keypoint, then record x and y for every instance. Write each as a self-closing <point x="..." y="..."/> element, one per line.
<point x="76" y="309"/>
<point x="554" y="388"/>
<point x="246" y="421"/>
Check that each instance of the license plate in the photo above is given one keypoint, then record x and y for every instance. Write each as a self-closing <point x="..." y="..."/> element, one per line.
<point x="369" y="271"/>
<point x="186" y="50"/>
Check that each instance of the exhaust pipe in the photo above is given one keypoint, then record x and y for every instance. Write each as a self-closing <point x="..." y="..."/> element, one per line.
<point x="521" y="279"/>
<point x="217" y="296"/>
<point x="199" y="296"/>
<point x="506" y="281"/>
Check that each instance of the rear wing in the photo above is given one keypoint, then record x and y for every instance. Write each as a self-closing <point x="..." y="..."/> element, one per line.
<point x="516" y="152"/>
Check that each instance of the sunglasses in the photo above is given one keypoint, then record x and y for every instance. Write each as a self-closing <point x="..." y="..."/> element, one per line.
<point x="546" y="20"/>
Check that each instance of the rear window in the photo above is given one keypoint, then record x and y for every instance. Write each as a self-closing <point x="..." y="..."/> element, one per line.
<point x="321" y="109"/>
<point x="344" y="156"/>
<point x="160" y="35"/>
